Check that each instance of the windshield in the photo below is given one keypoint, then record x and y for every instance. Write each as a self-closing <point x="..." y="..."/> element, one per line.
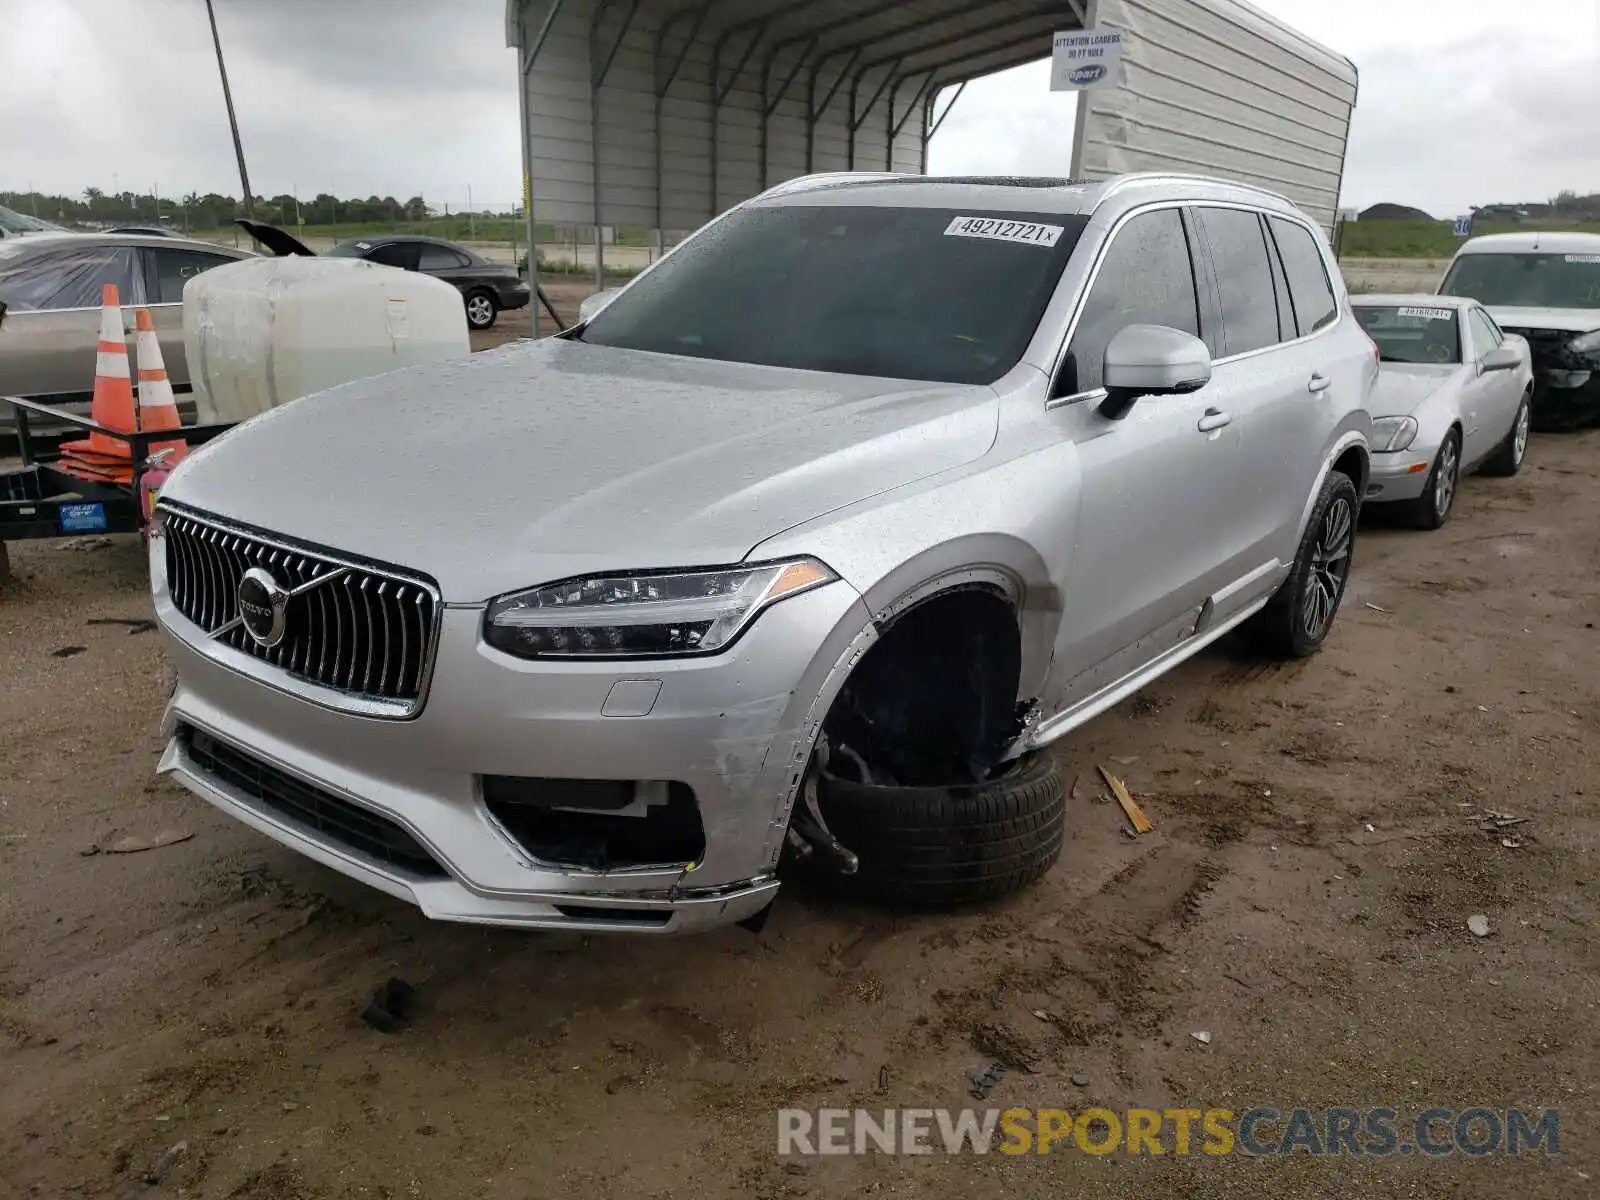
<point x="904" y="293"/>
<point x="1409" y="334"/>
<point x="1527" y="280"/>
<point x="15" y="222"/>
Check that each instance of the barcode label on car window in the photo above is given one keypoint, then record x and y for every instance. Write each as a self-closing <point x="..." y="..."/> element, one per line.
<point x="1000" y="230"/>
<point x="1584" y="258"/>
<point x="1429" y="314"/>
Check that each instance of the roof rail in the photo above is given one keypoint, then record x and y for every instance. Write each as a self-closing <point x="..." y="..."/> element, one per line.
<point x="817" y="177"/>
<point x="1118" y="182"/>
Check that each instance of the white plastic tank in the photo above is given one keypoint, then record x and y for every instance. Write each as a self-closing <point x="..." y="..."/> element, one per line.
<point x="261" y="332"/>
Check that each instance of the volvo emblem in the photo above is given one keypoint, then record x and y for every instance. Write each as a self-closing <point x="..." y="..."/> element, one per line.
<point x="263" y="607"/>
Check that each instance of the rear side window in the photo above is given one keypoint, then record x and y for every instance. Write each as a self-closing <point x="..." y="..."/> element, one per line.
<point x="396" y="254"/>
<point x="1146" y="278"/>
<point x="1244" y="278"/>
<point x="71" y="278"/>
<point x="174" y="268"/>
<point x="440" y="258"/>
<point x="1309" y="289"/>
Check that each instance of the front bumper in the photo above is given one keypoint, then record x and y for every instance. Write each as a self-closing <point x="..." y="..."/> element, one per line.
<point x="1567" y="406"/>
<point x="1400" y="475"/>
<point x="736" y="728"/>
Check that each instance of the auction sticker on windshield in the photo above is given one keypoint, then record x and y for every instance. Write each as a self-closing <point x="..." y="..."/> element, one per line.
<point x="1428" y="314"/>
<point x="1583" y="258"/>
<point x="1000" y="230"/>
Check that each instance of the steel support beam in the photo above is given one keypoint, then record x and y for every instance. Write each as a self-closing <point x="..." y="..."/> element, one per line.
<point x="896" y="128"/>
<point x="662" y="87"/>
<point x="526" y="57"/>
<point x="598" y="70"/>
<point x="907" y="54"/>
<point x="814" y="110"/>
<point x="770" y="105"/>
<point x="858" y="116"/>
<point x="933" y="102"/>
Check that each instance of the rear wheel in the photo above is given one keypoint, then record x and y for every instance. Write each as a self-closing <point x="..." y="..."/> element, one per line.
<point x="938" y="847"/>
<point x="481" y="309"/>
<point x="1432" y="509"/>
<point x="1508" y="456"/>
<point x="1296" y="621"/>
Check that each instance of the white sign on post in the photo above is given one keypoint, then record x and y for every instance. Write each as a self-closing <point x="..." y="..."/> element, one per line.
<point x="1086" y="58"/>
<point x="1462" y="227"/>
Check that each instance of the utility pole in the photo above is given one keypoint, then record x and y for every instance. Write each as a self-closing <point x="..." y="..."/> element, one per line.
<point x="233" y="121"/>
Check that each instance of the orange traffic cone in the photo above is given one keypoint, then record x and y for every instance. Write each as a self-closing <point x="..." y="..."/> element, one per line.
<point x="101" y="456"/>
<point x="157" y="407"/>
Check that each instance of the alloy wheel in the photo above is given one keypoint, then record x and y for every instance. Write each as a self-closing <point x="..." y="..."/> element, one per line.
<point x="1444" y="479"/>
<point x="479" y="310"/>
<point x="1519" y="436"/>
<point x="1329" y="568"/>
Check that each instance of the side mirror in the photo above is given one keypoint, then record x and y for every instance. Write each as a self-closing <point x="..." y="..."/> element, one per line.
<point x="2" y="312"/>
<point x="591" y="306"/>
<point x="1151" y="360"/>
<point x="1501" y="358"/>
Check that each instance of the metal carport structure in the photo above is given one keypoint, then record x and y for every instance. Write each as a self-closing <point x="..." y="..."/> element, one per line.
<point x="659" y="114"/>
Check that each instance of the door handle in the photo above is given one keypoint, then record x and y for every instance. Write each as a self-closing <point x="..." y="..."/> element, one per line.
<point x="1213" y="420"/>
<point x="1319" y="382"/>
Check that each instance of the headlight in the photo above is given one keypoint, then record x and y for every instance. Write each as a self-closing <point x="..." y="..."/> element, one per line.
<point x="1392" y="433"/>
<point x="1586" y="343"/>
<point x="646" y="615"/>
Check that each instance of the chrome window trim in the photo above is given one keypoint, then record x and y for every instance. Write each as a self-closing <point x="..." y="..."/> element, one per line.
<point x="1340" y="299"/>
<point x="276" y="677"/>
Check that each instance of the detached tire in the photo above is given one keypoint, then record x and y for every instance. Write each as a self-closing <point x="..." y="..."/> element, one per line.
<point x="941" y="847"/>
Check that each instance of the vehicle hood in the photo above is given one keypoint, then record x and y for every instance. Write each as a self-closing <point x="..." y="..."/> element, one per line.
<point x="1561" y="320"/>
<point x="552" y="458"/>
<point x="1402" y="387"/>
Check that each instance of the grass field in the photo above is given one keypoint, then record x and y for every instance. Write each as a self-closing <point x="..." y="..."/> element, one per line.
<point x="1431" y="239"/>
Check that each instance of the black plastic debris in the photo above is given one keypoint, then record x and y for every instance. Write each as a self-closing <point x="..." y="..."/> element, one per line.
<point x="986" y="1080"/>
<point x="133" y="624"/>
<point x="387" y="1009"/>
<point x="67" y="651"/>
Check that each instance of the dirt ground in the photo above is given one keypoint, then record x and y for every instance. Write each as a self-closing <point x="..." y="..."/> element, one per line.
<point x="1303" y="898"/>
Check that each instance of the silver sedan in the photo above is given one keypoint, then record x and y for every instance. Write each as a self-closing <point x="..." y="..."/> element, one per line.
<point x="1453" y="396"/>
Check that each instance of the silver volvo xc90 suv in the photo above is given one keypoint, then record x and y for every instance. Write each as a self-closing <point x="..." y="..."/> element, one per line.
<point x="940" y="468"/>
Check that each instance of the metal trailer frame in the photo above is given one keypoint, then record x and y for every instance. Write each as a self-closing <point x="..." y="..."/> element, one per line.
<point x="37" y="500"/>
<point x="720" y="63"/>
<point x="661" y="113"/>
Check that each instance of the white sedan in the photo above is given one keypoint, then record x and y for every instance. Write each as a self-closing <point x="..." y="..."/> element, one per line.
<point x="1453" y="396"/>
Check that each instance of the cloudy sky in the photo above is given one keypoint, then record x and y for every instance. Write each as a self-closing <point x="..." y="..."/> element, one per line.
<point x="1462" y="101"/>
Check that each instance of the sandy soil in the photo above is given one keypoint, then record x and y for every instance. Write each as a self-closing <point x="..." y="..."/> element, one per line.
<point x="1303" y="898"/>
<point x="1392" y="274"/>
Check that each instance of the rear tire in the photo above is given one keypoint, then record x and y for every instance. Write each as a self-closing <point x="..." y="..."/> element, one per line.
<point x="1432" y="509"/>
<point x="1509" y="455"/>
<point x="941" y="847"/>
<point x="482" y="309"/>
<point x="1296" y="621"/>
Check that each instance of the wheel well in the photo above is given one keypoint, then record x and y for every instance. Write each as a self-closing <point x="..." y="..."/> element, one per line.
<point x="1353" y="462"/>
<point x="934" y="699"/>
